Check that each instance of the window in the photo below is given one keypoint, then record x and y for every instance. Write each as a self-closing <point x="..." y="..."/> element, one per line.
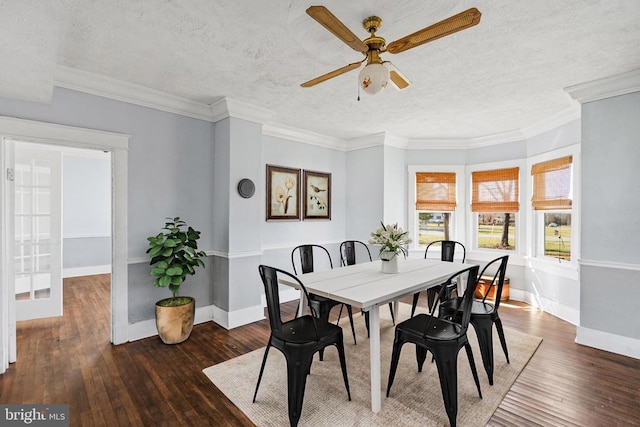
<point x="495" y="201"/>
<point x="435" y="204"/>
<point x="552" y="199"/>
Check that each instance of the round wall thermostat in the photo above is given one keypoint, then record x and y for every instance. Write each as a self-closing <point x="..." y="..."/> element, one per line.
<point x="246" y="188"/>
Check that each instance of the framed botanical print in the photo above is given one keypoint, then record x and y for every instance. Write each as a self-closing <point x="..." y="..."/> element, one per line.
<point x="283" y="193"/>
<point x="317" y="195"/>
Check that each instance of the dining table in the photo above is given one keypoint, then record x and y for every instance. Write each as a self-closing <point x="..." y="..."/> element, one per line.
<point x="365" y="286"/>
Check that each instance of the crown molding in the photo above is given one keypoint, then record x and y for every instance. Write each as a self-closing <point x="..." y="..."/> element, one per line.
<point x="465" y="143"/>
<point x="228" y="107"/>
<point x="607" y="87"/>
<point x="554" y="121"/>
<point x="304" y="136"/>
<point x="84" y="81"/>
<point x="107" y="87"/>
<point x="367" y="141"/>
<point x="376" y="140"/>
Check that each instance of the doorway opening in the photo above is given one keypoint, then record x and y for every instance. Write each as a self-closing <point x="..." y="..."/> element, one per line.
<point x="63" y="136"/>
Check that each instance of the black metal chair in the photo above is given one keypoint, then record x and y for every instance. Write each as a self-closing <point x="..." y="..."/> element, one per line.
<point x="443" y="338"/>
<point x="298" y="339"/>
<point x="348" y="257"/>
<point x="321" y="305"/>
<point x="447" y="253"/>
<point x="485" y="314"/>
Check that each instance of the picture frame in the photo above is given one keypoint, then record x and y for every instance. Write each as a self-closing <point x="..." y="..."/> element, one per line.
<point x="317" y="195"/>
<point x="283" y="193"/>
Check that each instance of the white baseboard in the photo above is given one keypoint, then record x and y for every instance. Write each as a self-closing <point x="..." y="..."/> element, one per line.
<point x="86" y="271"/>
<point x="609" y="342"/>
<point x="233" y="319"/>
<point x="563" y="312"/>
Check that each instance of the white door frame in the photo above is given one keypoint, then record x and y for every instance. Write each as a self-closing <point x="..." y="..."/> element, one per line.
<point x="118" y="145"/>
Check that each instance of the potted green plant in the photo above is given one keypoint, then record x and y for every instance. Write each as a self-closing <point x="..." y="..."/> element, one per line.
<point x="174" y="255"/>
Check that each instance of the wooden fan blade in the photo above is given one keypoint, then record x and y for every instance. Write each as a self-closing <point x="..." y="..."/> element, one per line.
<point x="333" y="24"/>
<point x="397" y="78"/>
<point x="332" y="74"/>
<point x="455" y="23"/>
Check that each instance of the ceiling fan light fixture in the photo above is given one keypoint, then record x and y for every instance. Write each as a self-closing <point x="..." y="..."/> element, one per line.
<point x="373" y="78"/>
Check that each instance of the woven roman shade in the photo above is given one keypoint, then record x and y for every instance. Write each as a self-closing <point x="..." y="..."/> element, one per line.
<point x="552" y="184"/>
<point x="436" y="191"/>
<point x="495" y="191"/>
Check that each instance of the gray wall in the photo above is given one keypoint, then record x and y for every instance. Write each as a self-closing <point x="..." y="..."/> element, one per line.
<point x="282" y="152"/>
<point x="86" y="212"/>
<point x="169" y="170"/>
<point x="610" y="278"/>
<point x="365" y="195"/>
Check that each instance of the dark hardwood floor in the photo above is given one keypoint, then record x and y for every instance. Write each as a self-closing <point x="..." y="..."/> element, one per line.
<point x="146" y="383"/>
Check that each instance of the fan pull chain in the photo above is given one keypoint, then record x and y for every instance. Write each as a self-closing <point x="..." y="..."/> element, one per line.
<point x="358" y="83"/>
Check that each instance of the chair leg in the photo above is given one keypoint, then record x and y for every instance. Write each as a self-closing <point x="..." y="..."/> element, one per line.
<point x="296" y="382"/>
<point x="503" y="341"/>
<point x="395" y="358"/>
<point x="431" y="298"/>
<point x="353" y="329"/>
<point x="323" y="313"/>
<point x="474" y="371"/>
<point x="447" y="364"/>
<point x="483" y="326"/>
<point x="393" y="318"/>
<point x="264" y="360"/>
<point x="421" y="356"/>
<point x="366" y="322"/>
<point x="415" y="303"/>
<point x="343" y="364"/>
<point x="339" y="314"/>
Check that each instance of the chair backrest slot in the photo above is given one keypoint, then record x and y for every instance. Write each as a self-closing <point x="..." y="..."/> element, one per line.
<point x="447" y="249"/>
<point x="306" y="257"/>
<point x="348" y="251"/>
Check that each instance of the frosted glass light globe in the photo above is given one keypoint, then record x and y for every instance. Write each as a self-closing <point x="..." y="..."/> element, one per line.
<point x="373" y="78"/>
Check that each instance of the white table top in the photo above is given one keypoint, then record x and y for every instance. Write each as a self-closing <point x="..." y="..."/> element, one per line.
<point x="365" y="285"/>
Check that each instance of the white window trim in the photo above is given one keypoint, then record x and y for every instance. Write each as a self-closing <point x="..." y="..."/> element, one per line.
<point x="459" y="215"/>
<point x="521" y="217"/>
<point x="534" y="225"/>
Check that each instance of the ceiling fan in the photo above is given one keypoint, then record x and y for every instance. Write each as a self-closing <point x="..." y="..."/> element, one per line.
<point x="376" y="74"/>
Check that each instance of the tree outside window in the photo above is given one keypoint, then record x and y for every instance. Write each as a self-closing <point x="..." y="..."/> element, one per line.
<point x="495" y="201"/>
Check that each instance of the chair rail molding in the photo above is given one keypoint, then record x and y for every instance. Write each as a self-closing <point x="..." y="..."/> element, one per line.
<point x="609" y="264"/>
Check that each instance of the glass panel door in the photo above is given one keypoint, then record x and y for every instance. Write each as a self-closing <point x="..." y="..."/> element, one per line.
<point x="37" y="232"/>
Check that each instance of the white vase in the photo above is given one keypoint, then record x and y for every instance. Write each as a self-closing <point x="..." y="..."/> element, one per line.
<point x="389" y="262"/>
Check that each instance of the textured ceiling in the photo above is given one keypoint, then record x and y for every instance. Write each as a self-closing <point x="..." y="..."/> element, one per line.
<point x="504" y="74"/>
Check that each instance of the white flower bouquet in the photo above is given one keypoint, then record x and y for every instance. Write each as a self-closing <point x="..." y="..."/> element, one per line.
<point x="391" y="238"/>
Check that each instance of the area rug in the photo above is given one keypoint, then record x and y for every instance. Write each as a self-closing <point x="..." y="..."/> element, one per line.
<point x="415" y="399"/>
